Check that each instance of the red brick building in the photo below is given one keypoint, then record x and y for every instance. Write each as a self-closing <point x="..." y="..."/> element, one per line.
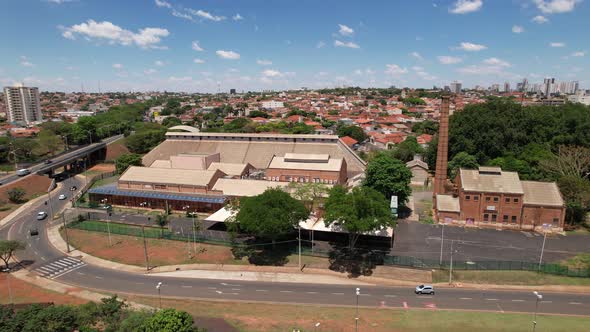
<point x="316" y="168"/>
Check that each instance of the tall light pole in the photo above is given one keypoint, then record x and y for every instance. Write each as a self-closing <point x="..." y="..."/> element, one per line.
<point x="356" y="318"/>
<point x="103" y="201"/>
<point x="7" y="270"/>
<point x="299" y="239"/>
<point x="158" y="286"/>
<point x="451" y="267"/>
<point x="63" y="218"/>
<point x="145" y="252"/>
<point x="539" y="298"/>
<point x="316" y="326"/>
<point x="442" y="239"/>
<point x="542" y="250"/>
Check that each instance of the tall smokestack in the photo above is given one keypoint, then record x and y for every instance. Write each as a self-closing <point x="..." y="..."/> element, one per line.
<point x="442" y="155"/>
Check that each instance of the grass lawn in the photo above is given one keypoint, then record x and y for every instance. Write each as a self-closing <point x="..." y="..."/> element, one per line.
<point x="508" y="278"/>
<point x="580" y="261"/>
<point x="104" y="181"/>
<point x="278" y="317"/>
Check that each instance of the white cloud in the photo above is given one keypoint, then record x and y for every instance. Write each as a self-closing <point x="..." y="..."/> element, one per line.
<point x="339" y="43"/>
<point x="272" y="73"/>
<point x="150" y="71"/>
<point x="466" y="6"/>
<point x="159" y="63"/>
<point x="264" y="62"/>
<point x="24" y="61"/>
<point x="426" y="76"/>
<point x="556" y="6"/>
<point x="417" y="68"/>
<point x="557" y="44"/>
<point x="579" y="54"/>
<point x="117" y="66"/>
<point x="417" y="55"/>
<point x="230" y="55"/>
<point x="471" y="47"/>
<point x="162" y="3"/>
<point x="114" y="34"/>
<point x="180" y="79"/>
<point x="496" y="62"/>
<point x="186" y="16"/>
<point x="196" y="46"/>
<point x="540" y="19"/>
<point x="320" y="44"/>
<point x="237" y="17"/>
<point x="448" y="60"/>
<point x="345" y="30"/>
<point x="517" y="29"/>
<point x="393" y="69"/>
<point x="199" y="61"/>
<point x="206" y="15"/>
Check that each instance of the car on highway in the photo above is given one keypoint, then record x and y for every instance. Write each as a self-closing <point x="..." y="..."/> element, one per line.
<point x="74" y="188"/>
<point x="23" y="172"/>
<point x="33" y="231"/>
<point x="424" y="289"/>
<point x="41" y="215"/>
<point x="62" y="197"/>
<point x="48" y="161"/>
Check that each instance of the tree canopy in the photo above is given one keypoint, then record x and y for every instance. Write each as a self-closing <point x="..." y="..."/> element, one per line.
<point x="125" y="160"/>
<point x="389" y="176"/>
<point x="7" y="249"/>
<point x="353" y="131"/>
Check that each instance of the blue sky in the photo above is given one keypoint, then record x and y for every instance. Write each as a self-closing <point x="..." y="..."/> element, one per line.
<point x="135" y="45"/>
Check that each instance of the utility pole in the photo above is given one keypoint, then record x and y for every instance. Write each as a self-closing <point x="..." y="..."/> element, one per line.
<point x="299" y="238"/>
<point x="451" y="269"/>
<point x="542" y="250"/>
<point x="442" y="239"/>
<point x="539" y="298"/>
<point x="63" y="218"/>
<point x="356" y="318"/>
<point x="147" y="264"/>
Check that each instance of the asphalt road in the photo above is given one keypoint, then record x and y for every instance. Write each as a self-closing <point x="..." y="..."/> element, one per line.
<point x="68" y="155"/>
<point x="40" y="256"/>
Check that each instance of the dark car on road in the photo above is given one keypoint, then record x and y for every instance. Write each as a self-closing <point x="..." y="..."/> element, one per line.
<point x="34" y="232"/>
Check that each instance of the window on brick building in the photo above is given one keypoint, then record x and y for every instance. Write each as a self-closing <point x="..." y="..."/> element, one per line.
<point x="516" y="200"/>
<point x="494" y="217"/>
<point x="487" y="199"/>
<point x="507" y="200"/>
<point x="486" y="217"/>
<point x="555" y="222"/>
<point x="467" y="197"/>
<point x="505" y="218"/>
<point x="476" y="198"/>
<point x="513" y="220"/>
<point x="496" y="199"/>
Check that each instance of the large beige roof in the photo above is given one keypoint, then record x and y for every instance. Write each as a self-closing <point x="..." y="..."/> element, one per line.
<point x="447" y="203"/>
<point x="306" y="157"/>
<point x="251" y="135"/>
<point x="505" y="182"/>
<point x="541" y="193"/>
<point x="245" y="188"/>
<point x="333" y="165"/>
<point x="228" y="168"/>
<point x="161" y="164"/>
<point x="167" y="176"/>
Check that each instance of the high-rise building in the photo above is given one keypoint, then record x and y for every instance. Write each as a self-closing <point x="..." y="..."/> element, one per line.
<point x="232" y="91"/>
<point x="22" y="104"/>
<point x="548" y="86"/>
<point x="456" y="87"/>
<point x="506" y="87"/>
<point x="495" y="88"/>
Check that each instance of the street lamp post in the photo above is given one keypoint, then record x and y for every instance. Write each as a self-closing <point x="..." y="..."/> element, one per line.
<point x="442" y="239"/>
<point x="7" y="270"/>
<point x="299" y="239"/>
<point x="356" y="318"/>
<point x="158" y="286"/>
<point x="145" y="252"/>
<point x="316" y="326"/>
<point x="542" y="251"/>
<point x="539" y="298"/>
<point x="451" y="267"/>
<point x="63" y="218"/>
<point x="104" y="201"/>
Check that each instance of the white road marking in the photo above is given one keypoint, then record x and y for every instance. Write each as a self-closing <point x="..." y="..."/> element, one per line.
<point x="139" y="283"/>
<point x="311" y="292"/>
<point x="218" y="292"/>
<point x="43" y="258"/>
<point x="501" y="310"/>
<point x="231" y="285"/>
<point x="546" y="301"/>
<point x="235" y="289"/>
<point x="97" y="277"/>
<point x="261" y="290"/>
<point x="337" y="293"/>
<point x="517" y="300"/>
<point x="390" y="295"/>
<point x="66" y="272"/>
<point x="183" y="286"/>
<point x="211" y="287"/>
<point x="80" y="273"/>
<point x="575" y="303"/>
<point x="286" y="291"/>
<point x="465" y="298"/>
<point x="364" y="294"/>
<point x="491" y="299"/>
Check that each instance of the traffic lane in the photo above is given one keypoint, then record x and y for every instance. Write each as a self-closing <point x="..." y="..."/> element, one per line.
<point x="97" y="278"/>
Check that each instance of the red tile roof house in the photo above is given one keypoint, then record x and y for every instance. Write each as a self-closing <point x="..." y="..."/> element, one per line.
<point x="349" y="141"/>
<point x="386" y="141"/>
<point x="424" y="139"/>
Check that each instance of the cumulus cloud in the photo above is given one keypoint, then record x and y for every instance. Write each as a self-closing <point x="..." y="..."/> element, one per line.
<point x="24" y="61"/>
<point x="557" y="44"/>
<point x="466" y="6"/>
<point x="393" y="69"/>
<point x="471" y="47"/>
<point x="230" y="55"/>
<point x="320" y="44"/>
<point x="540" y="19"/>
<point x="448" y="60"/>
<point x="114" y="34"/>
<point x="496" y="62"/>
<point x="272" y="73"/>
<point x="150" y="71"/>
<point x="417" y="55"/>
<point x="180" y="79"/>
<point x="339" y="43"/>
<point x="237" y="17"/>
<point x="556" y="6"/>
<point x="345" y="30"/>
<point x="159" y="63"/>
<point x="264" y="62"/>
<point x="196" y="46"/>
<point x="206" y="15"/>
<point x="162" y="3"/>
<point x="579" y="54"/>
<point x="198" y="61"/>
<point x="117" y="66"/>
<point x="517" y="29"/>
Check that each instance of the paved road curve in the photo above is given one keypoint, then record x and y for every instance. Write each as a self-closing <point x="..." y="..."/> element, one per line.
<point x="46" y="261"/>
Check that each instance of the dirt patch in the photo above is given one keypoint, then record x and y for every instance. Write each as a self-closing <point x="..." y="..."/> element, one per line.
<point x="24" y="292"/>
<point x="116" y="149"/>
<point x="102" y="168"/>
<point x="34" y="185"/>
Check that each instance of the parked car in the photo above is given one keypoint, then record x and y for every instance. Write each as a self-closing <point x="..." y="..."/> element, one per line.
<point x="425" y="289"/>
<point x="23" y="172"/>
<point x="74" y="188"/>
<point x="62" y="197"/>
<point x="34" y="231"/>
<point x="41" y="215"/>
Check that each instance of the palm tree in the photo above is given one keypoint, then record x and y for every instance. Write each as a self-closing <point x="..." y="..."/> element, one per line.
<point x="162" y="220"/>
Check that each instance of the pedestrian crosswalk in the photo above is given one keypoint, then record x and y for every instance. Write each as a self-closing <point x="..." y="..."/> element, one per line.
<point x="59" y="267"/>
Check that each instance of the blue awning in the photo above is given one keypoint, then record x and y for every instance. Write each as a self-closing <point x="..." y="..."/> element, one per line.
<point x="113" y="190"/>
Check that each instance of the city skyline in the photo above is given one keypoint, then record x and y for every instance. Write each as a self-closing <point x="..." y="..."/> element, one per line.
<point x="210" y="46"/>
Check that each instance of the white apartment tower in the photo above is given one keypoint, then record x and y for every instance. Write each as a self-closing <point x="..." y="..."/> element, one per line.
<point x="22" y="104"/>
<point x="456" y="87"/>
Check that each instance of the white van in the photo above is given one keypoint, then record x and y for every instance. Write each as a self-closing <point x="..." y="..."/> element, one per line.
<point x="23" y="172"/>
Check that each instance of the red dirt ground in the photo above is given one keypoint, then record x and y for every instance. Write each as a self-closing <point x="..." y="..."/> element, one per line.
<point x="116" y="149"/>
<point x="33" y="186"/>
<point x="24" y="292"/>
<point x="102" y="168"/>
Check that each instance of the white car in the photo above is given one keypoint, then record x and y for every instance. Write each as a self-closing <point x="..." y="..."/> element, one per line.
<point x="62" y="197"/>
<point x="424" y="289"/>
<point x="41" y="215"/>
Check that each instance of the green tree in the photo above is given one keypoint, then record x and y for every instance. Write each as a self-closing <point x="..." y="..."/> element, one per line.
<point x="135" y="321"/>
<point x="169" y="320"/>
<point x="309" y="193"/>
<point x="110" y="311"/>
<point x="353" y="131"/>
<point x="7" y="249"/>
<point x="359" y="211"/>
<point x="88" y="314"/>
<point x="425" y="127"/>
<point x="171" y="121"/>
<point x="270" y="214"/>
<point x="461" y="160"/>
<point x="16" y="195"/>
<point x="389" y="176"/>
<point x="162" y="220"/>
<point x="406" y="150"/>
<point x="144" y="141"/>
<point x="49" y="142"/>
<point x="55" y="318"/>
<point x="125" y="160"/>
<point x="576" y="192"/>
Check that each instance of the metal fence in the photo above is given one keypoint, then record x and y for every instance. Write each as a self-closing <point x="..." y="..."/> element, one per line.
<point x="374" y="258"/>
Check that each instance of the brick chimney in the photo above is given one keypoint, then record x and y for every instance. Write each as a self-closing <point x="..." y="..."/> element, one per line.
<point x="442" y="155"/>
